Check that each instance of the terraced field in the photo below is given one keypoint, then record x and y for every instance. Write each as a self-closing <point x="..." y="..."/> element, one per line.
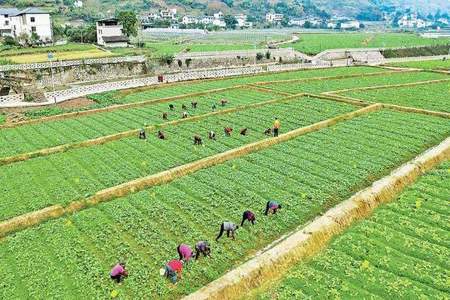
<point x="401" y="252"/>
<point x="434" y="96"/>
<point x="328" y="150"/>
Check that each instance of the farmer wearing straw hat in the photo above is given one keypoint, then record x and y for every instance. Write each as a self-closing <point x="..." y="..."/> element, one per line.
<point x="172" y="270"/>
<point x="276" y="127"/>
<point x="118" y="272"/>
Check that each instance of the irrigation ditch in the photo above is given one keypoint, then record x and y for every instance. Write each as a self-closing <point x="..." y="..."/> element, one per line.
<point x="310" y="239"/>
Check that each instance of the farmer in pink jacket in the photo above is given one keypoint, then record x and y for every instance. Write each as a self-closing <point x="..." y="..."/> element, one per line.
<point x="185" y="252"/>
<point x="118" y="272"/>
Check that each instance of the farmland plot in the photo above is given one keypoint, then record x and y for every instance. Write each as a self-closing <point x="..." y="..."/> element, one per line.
<point x="320" y="86"/>
<point x="401" y="252"/>
<point x="72" y="175"/>
<point x="434" y="96"/>
<point x="429" y="64"/>
<point x="307" y="175"/>
<point x="32" y="137"/>
<point x="148" y="93"/>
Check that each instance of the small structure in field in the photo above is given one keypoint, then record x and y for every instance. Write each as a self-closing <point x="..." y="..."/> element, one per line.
<point x="110" y="33"/>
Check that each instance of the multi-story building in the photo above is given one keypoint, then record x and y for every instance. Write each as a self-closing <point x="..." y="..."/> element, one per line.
<point x="110" y="33"/>
<point x="274" y="18"/>
<point x="169" y="14"/>
<point x="29" y="21"/>
<point x="188" y="20"/>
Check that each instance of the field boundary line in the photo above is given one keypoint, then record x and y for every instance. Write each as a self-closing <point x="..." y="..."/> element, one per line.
<point x="320" y="78"/>
<point x="116" y="107"/>
<point x="355" y="101"/>
<point x="267" y="90"/>
<point x="315" y="236"/>
<point x="40" y="216"/>
<point x="124" y="134"/>
<point x="386" y="86"/>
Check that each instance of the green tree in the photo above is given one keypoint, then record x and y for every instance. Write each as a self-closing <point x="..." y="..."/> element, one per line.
<point x="230" y="21"/>
<point x="129" y="21"/>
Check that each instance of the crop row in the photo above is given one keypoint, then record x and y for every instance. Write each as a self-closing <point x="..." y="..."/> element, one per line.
<point x="429" y="96"/>
<point x="142" y="94"/>
<point x="32" y="137"/>
<point x="401" y="252"/>
<point x="321" y="86"/>
<point x="64" y="177"/>
<point x="307" y="175"/>
<point x="428" y="64"/>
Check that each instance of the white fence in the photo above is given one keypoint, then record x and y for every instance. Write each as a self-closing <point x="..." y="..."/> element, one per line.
<point x="68" y="63"/>
<point x="15" y="98"/>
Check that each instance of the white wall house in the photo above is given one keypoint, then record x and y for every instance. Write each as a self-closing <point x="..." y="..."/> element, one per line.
<point x="274" y="18"/>
<point x="110" y="33"/>
<point x="350" y="25"/>
<point x="242" y="21"/>
<point x="187" y="20"/>
<point x="16" y="22"/>
<point x="169" y="14"/>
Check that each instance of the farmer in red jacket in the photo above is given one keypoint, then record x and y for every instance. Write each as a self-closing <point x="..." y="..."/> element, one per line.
<point x="173" y="270"/>
<point x="248" y="216"/>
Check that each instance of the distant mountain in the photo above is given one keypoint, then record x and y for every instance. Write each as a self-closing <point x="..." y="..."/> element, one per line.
<point x="254" y="8"/>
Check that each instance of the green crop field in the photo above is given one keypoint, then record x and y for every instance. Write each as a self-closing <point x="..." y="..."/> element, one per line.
<point x="315" y="43"/>
<point x="401" y="252"/>
<point x="434" y="96"/>
<point x="321" y="86"/>
<point x="429" y="64"/>
<point x="66" y="160"/>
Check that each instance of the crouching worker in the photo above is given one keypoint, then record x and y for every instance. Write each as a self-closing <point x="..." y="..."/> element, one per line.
<point x="161" y="135"/>
<point x="272" y="207"/>
<point x="142" y="134"/>
<point x="173" y="270"/>
<point x="165" y="115"/>
<point x="184" y="115"/>
<point x="118" y="272"/>
<point x="185" y="252"/>
<point x="243" y="131"/>
<point x="268" y="132"/>
<point x="248" y="216"/>
<point x="212" y="135"/>
<point x="194" y="104"/>
<point x="198" y="140"/>
<point x="202" y="247"/>
<point x="229" y="227"/>
<point x="171" y="107"/>
<point x="223" y="102"/>
<point x="228" y="131"/>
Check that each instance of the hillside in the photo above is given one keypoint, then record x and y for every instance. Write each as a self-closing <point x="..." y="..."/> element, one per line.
<point x="254" y="8"/>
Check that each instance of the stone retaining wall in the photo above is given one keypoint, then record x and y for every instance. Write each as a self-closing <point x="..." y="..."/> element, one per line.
<point x="15" y="98"/>
<point x="69" y="63"/>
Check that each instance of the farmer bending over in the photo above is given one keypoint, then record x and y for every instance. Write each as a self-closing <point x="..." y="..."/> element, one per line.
<point x="142" y="135"/>
<point x="184" y="115"/>
<point x="194" y="104"/>
<point x="229" y="227"/>
<point x="212" y="135"/>
<point x="272" y="207"/>
<point x="165" y="115"/>
<point x="202" y="247"/>
<point x="213" y="107"/>
<point x="171" y="107"/>
<point x="268" y="132"/>
<point x="118" y="272"/>
<point x="228" y="131"/>
<point x="243" y="131"/>
<point x="161" y="135"/>
<point x="198" y="140"/>
<point x="223" y="102"/>
<point x="183" y="107"/>
<point x="248" y="216"/>
<point x="276" y="127"/>
<point x="185" y="252"/>
<point x="173" y="270"/>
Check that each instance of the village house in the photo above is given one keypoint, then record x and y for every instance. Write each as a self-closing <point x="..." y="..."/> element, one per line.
<point x="274" y="18"/>
<point x="110" y="33"/>
<point x="29" y="21"/>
